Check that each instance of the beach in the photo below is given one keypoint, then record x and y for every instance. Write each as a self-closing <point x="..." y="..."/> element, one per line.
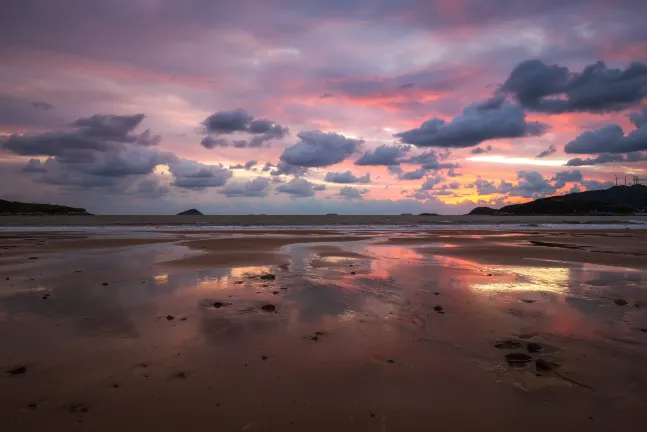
<point x="345" y="323"/>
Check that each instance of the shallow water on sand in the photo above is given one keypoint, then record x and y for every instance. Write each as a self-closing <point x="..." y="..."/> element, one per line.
<point x="365" y="335"/>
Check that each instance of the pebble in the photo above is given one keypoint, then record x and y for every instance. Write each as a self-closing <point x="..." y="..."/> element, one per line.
<point x="439" y="309"/>
<point x="170" y="317"/>
<point x="268" y="307"/>
<point x="517" y="359"/>
<point x="644" y="330"/>
<point x="105" y="284"/>
<point x="218" y="305"/>
<point x="620" y="302"/>
<point x="264" y="358"/>
<point x="352" y="273"/>
<point x="268" y="276"/>
<point x="275" y="292"/>
<point x="529" y="301"/>
<point x="507" y="345"/>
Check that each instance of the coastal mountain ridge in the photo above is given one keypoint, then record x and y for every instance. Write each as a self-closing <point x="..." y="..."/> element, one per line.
<point x="615" y="200"/>
<point x="20" y="208"/>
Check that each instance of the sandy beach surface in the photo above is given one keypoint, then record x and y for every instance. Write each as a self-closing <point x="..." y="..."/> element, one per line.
<point x="532" y="328"/>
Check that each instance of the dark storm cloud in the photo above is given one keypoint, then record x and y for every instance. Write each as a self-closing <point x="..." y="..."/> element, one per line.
<point x="352" y="193"/>
<point x="226" y="122"/>
<point x="194" y="175"/>
<point x="606" y="158"/>
<point x="431" y="182"/>
<point x="109" y="127"/>
<point x="532" y="184"/>
<point x="611" y="139"/>
<point x="347" y="177"/>
<point x="481" y="150"/>
<point x="42" y="105"/>
<point x="639" y="119"/>
<point x="210" y="143"/>
<point x="151" y="188"/>
<point x="258" y="187"/>
<point x="383" y="155"/>
<point x="549" y="151"/>
<point x="479" y="122"/>
<point x="319" y="149"/>
<point x="33" y="166"/>
<point x="416" y="174"/>
<point x="563" y="177"/>
<point x="554" y="89"/>
<point x="432" y="160"/>
<point x="239" y="121"/>
<point x="283" y="168"/>
<point x="299" y="188"/>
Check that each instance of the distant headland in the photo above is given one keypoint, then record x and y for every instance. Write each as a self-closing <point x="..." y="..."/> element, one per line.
<point x="20" y="208"/>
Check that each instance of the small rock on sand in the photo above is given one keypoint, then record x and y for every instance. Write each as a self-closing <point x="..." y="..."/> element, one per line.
<point x="218" y="305"/>
<point x="353" y="273"/>
<point x="275" y="292"/>
<point x="18" y="370"/>
<point x="32" y="258"/>
<point x="390" y="361"/>
<point x="105" y="284"/>
<point x="264" y="358"/>
<point x="534" y="347"/>
<point x="507" y="345"/>
<point x="620" y="302"/>
<point x="268" y="276"/>
<point x="529" y="301"/>
<point x="314" y="338"/>
<point x="517" y="359"/>
<point x="320" y="333"/>
<point x="179" y="375"/>
<point x="170" y="317"/>
<point x="268" y="307"/>
<point x="439" y="309"/>
<point x="644" y="330"/>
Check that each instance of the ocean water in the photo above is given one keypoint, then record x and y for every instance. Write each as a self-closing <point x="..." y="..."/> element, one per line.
<point x="306" y="223"/>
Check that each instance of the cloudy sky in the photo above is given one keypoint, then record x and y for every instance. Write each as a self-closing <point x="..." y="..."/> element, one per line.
<point x="308" y="106"/>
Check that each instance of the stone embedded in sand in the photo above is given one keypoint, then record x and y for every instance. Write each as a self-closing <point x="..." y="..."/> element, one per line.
<point x="517" y="359"/>
<point x="544" y="365"/>
<point x="438" y="309"/>
<point x="268" y="276"/>
<point x="390" y="361"/>
<point x="218" y="305"/>
<point x="436" y="293"/>
<point x="490" y="274"/>
<point x="507" y="345"/>
<point x="620" y="302"/>
<point x="268" y="307"/>
<point x="77" y="408"/>
<point x="179" y="375"/>
<point x="32" y="258"/>
<point x="320" y="333"/>
<point x="534" y="347"/>
<point x="529" y="301"/>
<point x="314" y="338"/>
<point x="18" y="370"/>
<point x="238" y="283"/>
<point x="264" y="358"/>
<point x="32" y="405"/>
<point x="105" y="284"/>
<point x="275" y="292"/>
<point x="170" y="317"/>
<point x="45" y="296"/>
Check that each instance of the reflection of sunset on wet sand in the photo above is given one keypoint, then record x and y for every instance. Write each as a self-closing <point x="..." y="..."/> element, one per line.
<point x="468" y="330"/>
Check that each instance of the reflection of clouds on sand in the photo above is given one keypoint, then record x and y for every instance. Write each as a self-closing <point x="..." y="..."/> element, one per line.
<point x="537" y="279"/>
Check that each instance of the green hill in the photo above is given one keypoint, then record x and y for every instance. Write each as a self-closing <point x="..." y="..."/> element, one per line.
<point x="15" y="207"/>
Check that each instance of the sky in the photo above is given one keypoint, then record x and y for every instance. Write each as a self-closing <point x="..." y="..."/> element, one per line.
<point x="310" y="107"/>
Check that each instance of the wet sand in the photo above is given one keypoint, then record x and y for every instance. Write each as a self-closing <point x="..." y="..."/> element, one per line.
<point x="382" y="331"/>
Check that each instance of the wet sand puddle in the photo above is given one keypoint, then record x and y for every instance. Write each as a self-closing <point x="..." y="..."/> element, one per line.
<point x="368" y="334"/>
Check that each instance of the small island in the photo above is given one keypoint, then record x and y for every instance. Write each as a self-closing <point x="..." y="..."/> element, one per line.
<point x="15" y="208"/>
<point x="191" y="212"/>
